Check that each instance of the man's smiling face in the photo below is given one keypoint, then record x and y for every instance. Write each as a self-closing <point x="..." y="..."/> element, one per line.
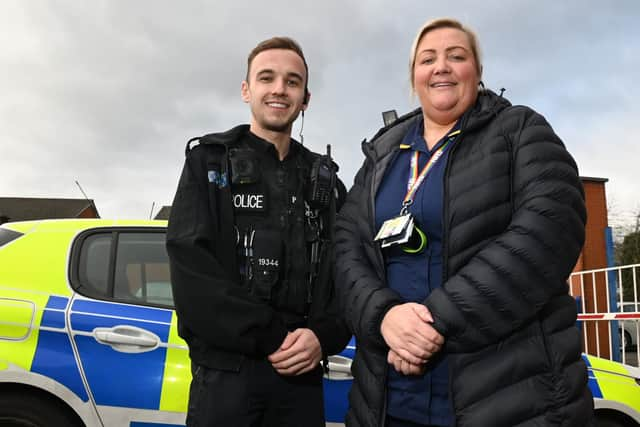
<point x="275" y="89"/>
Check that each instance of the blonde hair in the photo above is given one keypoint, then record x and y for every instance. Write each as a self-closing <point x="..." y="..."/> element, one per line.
<point x="445" y="23"/>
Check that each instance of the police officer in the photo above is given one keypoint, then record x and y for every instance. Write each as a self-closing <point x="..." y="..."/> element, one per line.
<point x="251" y="252"/>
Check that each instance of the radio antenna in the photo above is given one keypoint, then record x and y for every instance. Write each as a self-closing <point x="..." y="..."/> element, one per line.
<point x="81" y="190"/>
<point x="87" y="198"/>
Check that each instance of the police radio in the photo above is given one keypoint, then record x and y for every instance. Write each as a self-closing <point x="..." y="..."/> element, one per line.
<point x="323" y="181"/>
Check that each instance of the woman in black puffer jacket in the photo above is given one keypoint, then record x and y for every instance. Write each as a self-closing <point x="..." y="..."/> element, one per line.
<point x="469" y="323"/>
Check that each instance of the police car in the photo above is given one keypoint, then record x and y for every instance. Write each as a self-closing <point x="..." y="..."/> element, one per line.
<point x="88" y="335"/>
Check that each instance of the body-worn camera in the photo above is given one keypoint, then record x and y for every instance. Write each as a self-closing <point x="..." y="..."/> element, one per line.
<point x="323" y="181"/>
<point x="244" y="166"/>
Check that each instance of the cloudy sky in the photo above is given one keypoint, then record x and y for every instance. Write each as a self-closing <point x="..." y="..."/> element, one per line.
<point x="107" y="92"/>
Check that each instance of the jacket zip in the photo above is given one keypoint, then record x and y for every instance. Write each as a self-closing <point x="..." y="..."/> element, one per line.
<point x="445" y="244"/>
<point x="445" y="197"/>
<point x="445" y="257"/>
<point x="383" y="418"/>
<point x="445" y="214"/>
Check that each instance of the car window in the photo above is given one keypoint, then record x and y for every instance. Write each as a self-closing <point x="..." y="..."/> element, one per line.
<point x="142" y="269"/>
<point x="93" y="271"/>
<point x="7" y="236"/>
<point x="123" y="265"/>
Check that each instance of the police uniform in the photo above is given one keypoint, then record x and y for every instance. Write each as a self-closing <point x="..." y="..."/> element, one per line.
<point x="251" y="259"/>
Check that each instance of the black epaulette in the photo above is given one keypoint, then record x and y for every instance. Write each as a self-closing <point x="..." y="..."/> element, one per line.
<point x="211" y="139"/>
<point x="221" y="138"/>
<point x="188" y="147"/>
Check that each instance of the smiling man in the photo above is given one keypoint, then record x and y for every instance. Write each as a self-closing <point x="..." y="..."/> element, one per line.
<point x="251" y="250"/>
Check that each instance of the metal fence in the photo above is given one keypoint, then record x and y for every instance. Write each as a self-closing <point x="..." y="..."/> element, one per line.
<point x="609" y="311"/>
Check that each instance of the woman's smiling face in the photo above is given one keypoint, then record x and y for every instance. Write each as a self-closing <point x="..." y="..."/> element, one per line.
<point x="445" y="74"/>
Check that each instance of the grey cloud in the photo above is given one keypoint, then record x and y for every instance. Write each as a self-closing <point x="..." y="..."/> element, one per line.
<point x="109" y="91"/>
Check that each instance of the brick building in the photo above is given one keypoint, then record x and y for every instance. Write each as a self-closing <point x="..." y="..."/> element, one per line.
<point x="163" y="213"/>
<point x="29" y="208"/>
<point x="595" y="255"/>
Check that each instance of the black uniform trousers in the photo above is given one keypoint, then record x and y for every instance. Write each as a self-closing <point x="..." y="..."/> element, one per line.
<point x="256" y="396"/>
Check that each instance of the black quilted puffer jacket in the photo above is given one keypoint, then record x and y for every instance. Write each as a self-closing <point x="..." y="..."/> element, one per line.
<point x="513" y="221"/>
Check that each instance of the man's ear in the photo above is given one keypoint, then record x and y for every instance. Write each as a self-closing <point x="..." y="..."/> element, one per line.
<point x="307" y="98"/>
<point x="244" y="91"/>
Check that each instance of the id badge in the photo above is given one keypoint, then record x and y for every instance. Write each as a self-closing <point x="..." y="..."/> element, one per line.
<point x="395" y="231"/>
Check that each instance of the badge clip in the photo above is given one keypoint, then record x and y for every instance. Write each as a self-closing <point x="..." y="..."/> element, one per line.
<point x="395" y="231"/>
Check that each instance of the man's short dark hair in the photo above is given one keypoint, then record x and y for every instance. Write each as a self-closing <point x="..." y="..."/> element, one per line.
<point x="278" y="43"/>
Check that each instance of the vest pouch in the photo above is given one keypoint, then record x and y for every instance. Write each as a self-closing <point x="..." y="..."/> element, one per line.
<point x="266" y="263"/>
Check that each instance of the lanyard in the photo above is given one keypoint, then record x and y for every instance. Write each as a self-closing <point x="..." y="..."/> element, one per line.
<point x="415" y="179"/>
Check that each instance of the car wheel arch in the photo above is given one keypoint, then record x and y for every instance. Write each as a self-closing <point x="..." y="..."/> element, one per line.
<point x="613" y="418"/>
<point x="16" y="379"/>
<point x="27" y="391"/>
<point x="616" y="412"/>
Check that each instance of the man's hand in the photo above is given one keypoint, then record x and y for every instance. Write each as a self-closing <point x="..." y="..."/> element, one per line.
<point x="403" y="366"/>
<point x="300" y="352"/>
<point x="407" y="330"/>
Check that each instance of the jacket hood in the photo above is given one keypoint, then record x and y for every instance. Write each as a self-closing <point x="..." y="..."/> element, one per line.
<point x="487" y="107"/>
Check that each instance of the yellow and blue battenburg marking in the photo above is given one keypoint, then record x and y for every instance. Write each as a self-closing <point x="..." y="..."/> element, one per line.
<point x="593" y="382"/>
<point x="138" y="375"/>
<point x="78" y="349"/>
<point x="54" y="356"/>
<point x="139" y="378"/>
<point x="612" y="381"/>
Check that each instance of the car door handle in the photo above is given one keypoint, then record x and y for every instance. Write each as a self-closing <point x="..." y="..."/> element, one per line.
<point x="339" y="368"/>
<point x="127" y="339"/>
